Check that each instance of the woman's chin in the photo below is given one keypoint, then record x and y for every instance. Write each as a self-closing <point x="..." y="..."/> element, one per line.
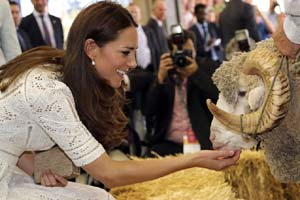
<point x="116" y="84"/>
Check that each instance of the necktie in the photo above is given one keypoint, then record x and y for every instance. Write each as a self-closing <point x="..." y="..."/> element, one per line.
<point x="204" y="31"/>
<point x="46" y="32"/>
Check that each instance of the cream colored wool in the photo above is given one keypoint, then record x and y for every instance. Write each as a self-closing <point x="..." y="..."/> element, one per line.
<point x="229" y="75"/>
<point x="252" y="180"/>
<point x="282" y="144"/>
<point x="190" y="184"/>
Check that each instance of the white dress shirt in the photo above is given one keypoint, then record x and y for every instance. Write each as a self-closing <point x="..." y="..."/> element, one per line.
<point x="143" y="54"/>
<point x="48" y="24"/>
<point x="292" y="21"/>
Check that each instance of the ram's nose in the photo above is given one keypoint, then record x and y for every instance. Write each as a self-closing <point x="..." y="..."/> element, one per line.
<point x="212" y="137"/>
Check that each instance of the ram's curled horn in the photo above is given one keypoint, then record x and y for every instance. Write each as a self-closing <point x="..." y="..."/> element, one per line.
<point x="264" y="62"/>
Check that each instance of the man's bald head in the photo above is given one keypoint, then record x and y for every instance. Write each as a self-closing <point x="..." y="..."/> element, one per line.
<point x="159" y="9"/>
<point x="135" y="11"/>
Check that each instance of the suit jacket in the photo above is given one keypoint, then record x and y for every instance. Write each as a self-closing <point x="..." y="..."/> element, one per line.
<point x="30" y="26"/>
<point x="157" y="41"/>
<point x="200" y="41"/>
<point x="160" y="104"/>
<point x="25" y="44"/>
<point x="237" y="15"/>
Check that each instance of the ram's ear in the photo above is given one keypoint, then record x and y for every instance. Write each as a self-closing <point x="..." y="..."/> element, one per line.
<point x="256" y="97"/>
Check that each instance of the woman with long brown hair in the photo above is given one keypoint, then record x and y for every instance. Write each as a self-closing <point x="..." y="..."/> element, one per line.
<point x="74" y="99"/>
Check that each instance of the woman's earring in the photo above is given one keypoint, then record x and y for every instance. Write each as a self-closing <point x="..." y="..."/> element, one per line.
<point x="93" y="62"/>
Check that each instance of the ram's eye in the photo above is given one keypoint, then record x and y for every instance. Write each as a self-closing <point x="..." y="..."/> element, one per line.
<point x="242" y="93"/>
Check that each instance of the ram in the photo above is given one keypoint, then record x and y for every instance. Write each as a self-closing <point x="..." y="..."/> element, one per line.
<point x="259" y="100"/>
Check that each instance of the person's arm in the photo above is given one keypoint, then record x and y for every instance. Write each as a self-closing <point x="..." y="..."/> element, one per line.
<point x="117" y="173"/>
<point x="282" y="42"/>
<point x="266" y="21"/>
<point x="287" y="37"/>
<point x="8" y="35"/>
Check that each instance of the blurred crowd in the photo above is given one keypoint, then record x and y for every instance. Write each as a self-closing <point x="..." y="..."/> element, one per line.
<point x="167" y="100"/>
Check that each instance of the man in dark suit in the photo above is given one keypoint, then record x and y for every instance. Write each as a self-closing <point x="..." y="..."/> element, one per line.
<point x="22" y="35"/>
<point x="156" y="33"/>
<point x="207" y="36"/>
<point x="237" y="15"/>
<point x="43" y="28"/>
<point x="176" y="104"/>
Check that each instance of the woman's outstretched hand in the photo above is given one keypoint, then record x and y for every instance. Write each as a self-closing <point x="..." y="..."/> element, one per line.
<point x="217" y="159"/>
<point x="50" y="179"/>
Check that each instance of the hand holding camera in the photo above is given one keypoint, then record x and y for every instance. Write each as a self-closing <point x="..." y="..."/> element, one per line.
<point x="166" y="64"/>
<point x="180" y="63"/>
<point x="189" y="69"/>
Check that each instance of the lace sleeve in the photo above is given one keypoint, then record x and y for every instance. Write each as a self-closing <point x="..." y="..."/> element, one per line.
<point x="52" y="106"/>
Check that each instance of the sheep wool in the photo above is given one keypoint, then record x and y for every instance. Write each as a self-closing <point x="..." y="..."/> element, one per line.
<point x="251" y="179"/>
<point x="282" y="144"/>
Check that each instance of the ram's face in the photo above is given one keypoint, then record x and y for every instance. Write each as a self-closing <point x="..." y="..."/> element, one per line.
<point x="254" y="111"/>
<point x="223" y="137"/>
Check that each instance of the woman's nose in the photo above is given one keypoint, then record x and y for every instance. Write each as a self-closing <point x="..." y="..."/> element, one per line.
<point x="132" y="63"/>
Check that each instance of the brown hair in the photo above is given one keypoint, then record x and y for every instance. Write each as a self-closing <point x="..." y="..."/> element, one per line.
<point x="100" y="107"/>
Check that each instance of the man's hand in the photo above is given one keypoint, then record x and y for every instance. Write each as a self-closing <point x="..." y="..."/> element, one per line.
<point x="282" y="43"/>
<point x="166" y="63"/>
<point x="190" y="69"/>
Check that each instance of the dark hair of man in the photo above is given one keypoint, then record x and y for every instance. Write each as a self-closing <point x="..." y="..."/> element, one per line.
<point x="186" y="35"/>
<point x="99" y="105"/>
<point x="198" y="7"/>
<point x="14" y="3"/>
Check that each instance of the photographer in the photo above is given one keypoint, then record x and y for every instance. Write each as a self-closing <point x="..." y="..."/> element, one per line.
<point x="175" y="103"/>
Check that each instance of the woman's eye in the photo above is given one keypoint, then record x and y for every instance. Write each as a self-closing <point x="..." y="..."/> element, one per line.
<point x="242" y="93"/>
<point x="125" y="53"/>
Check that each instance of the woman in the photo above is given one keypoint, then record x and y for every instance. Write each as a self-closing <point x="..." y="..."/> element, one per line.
<point x="74" y="99"/>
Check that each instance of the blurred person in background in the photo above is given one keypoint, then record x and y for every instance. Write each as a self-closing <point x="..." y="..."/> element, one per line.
<point x="272" y="15"/>
<point x="139" y="80"/>
<point x="9" y="45"/>
<point x="43" y="28"/>
<point x="217" y="8"/>
<point x="74" y="99"/>
<point x="287" y="37"/>
<point x="156" y="33"/>
<point x="208" y="44"/>
<point x="188" y="17"/>
<point x="23" y="38"/>
<point x="176" y="102"/>
<point x="265" y="27"/>
<point x="237" y="15"/>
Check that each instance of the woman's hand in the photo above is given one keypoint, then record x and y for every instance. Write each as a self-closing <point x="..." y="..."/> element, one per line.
<point x="166" y="63"/>
<point x="49" y="179"/>
<point x="217" y="159"/>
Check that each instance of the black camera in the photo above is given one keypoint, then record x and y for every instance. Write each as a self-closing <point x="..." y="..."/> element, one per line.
<point x="243" y="39"/>
<point x="178" y="38"/>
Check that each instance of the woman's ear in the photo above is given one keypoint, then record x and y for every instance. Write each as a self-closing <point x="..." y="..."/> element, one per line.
<point x="90" y="48"/>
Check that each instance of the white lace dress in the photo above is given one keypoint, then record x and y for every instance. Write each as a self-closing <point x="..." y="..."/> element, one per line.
<point x="37" y="112"/>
